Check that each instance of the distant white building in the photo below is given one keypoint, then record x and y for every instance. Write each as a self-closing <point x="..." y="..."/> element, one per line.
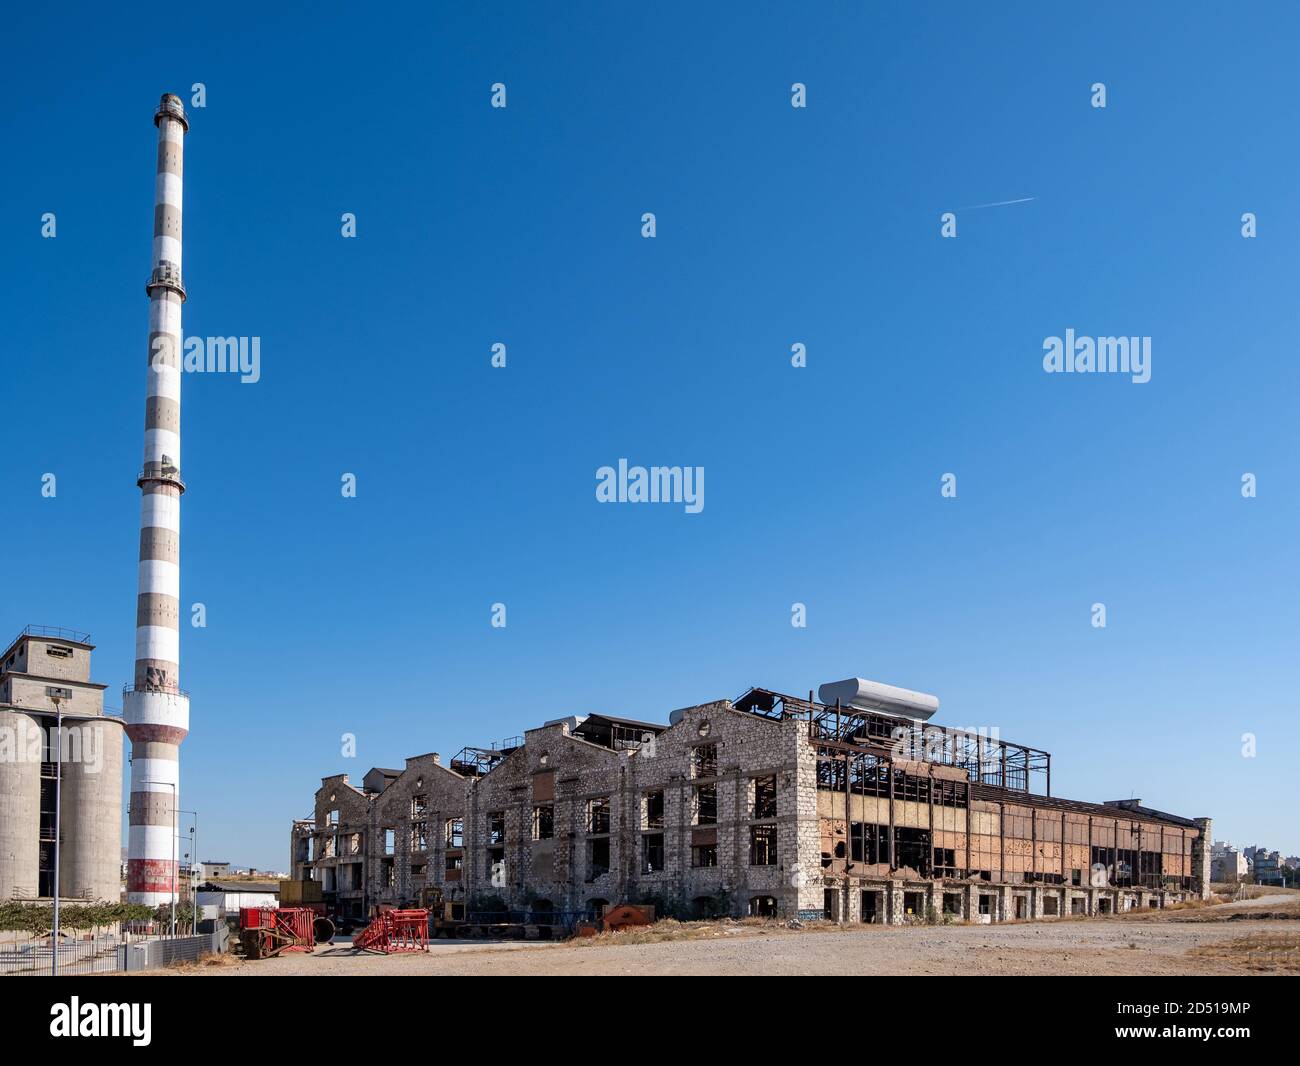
<point x="1228" y="867"/>
<point x="209" y="869"/>
<point x="224" y="899"/>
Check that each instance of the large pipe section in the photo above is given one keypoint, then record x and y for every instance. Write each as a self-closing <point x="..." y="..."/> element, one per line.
<point x="157" y="712"/>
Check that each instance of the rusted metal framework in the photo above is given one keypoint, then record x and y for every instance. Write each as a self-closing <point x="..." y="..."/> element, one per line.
<point x="475" y="762"/>
<point x="395" y="931"/>
<point x="985" y="760"/>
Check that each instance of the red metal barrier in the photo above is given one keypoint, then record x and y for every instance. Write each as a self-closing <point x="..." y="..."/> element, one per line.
<point x="394" y="931"/>
<point x="267" y="931"/>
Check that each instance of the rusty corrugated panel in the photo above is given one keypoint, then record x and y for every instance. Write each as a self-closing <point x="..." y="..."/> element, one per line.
<point x="704" y="837"/>
<point x="544" y="786"/>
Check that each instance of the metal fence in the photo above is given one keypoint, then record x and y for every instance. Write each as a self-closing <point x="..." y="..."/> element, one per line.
<point x="150" y="954"/>
<point x="110" y="953"/>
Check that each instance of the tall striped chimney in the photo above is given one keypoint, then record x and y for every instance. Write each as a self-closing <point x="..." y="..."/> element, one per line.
<point x="157" y="711"/>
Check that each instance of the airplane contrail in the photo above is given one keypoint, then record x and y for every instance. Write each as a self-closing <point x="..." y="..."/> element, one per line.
<point x="999" y="203"/>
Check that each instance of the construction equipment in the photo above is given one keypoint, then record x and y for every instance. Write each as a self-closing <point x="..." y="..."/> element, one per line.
<point x="615" y="918"/>
<point x="267" y="931"/>
<point x="395" y="931"/>
<point x="308" y="894"/>
<point x="626" y="916"/>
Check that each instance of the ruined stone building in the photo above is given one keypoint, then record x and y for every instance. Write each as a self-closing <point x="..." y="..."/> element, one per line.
<point x="856" y="810"/>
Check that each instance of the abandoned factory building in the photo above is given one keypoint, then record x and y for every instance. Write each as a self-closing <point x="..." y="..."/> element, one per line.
<point x="850" y="807"/>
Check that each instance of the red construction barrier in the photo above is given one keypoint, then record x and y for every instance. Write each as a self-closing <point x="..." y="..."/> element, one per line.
<point x="395" y="931"/>
<point x="267" y="931"/>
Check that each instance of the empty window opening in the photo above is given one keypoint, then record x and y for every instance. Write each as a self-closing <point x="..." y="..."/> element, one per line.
<point x="455" y="832"/>
<point x="762" y="907"/>
<point x="1077" y="905"/>
<point x="544" y="822"/>
<point x="652" y="852"/>
<point x="419" y="806"/>
<point x="1051" y="906"/>
<point x="952" y="903"/>
<point x="914" y="849"/>
<point x="870" y="910"/>
<point x="597" y="858"/>
<point x="390" y="840"/>
<point x="705" y="802"/>
<point x="986" y="904"/>
<point x="496" y="822"/>
<point x="945" y="862"/>
<point x="652" y="810"/>
<point x="704" y="760"/>
<point x="598" y="815"/>
<point x="914" y="904"/>
<point x="765" y="796"/>
<point x="419" y="836"/>
<point x="704" y="855"/>
<point x="868" y="843"/>
<point x="1021" y="907"/>
<point x="762" y="845"/>
<point x="828" y="904"/>
<point x="1103" y="906"/>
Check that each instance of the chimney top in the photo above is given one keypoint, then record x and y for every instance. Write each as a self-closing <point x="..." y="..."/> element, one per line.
<point x="171" y="106"/>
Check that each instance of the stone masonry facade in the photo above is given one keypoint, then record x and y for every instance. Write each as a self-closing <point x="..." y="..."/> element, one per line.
<point x="729" y="812"/>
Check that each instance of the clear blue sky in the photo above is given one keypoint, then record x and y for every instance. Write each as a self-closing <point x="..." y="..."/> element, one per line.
<point x="476" y="485"/>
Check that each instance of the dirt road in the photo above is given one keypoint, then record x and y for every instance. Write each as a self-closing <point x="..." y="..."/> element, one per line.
<point x="1141" y="945"/>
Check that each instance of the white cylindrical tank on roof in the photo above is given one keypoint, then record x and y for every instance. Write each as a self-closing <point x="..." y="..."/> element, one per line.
<point x="863" y="695"/>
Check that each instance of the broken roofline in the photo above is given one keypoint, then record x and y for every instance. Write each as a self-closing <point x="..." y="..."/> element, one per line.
<point x="987" y="760"/>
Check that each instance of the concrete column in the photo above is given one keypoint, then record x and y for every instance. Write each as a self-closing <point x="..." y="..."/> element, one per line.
<point x="895" y="901"/>
<point x="1201" y="857"/>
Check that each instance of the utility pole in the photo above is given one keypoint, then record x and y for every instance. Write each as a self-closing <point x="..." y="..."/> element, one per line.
<point x="58" y="803"/>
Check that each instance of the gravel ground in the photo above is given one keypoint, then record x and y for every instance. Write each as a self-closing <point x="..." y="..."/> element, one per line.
<point x="1135" y="945"/>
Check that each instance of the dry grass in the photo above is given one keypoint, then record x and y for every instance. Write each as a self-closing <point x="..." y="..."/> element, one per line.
<point x="205" y="962"/>
<point x="660" y="932"/>
<point x="1258" y="952"/>
<point x="1284" y="909"/>
<point x="1195" y="902"/>
<point x="1229" y="891"/>
<point x="669" y="929"/>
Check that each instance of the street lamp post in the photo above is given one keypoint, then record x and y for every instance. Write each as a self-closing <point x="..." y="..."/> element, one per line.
<point x="194" y="858"/>
<point x="58" y="804"/>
